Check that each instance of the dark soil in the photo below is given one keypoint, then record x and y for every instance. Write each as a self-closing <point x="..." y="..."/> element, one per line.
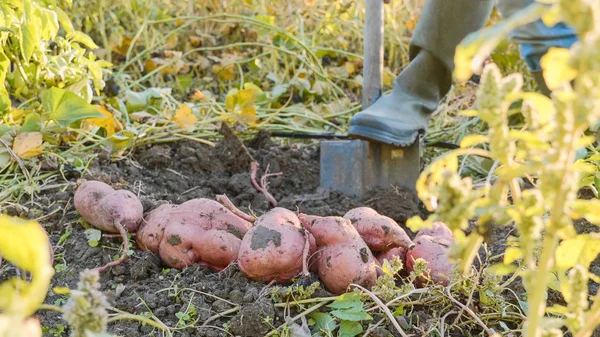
<point x="181" y="171"/>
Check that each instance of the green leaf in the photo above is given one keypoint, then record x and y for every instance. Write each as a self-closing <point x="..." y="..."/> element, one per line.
<point x="399" y="311"/>
<point x="324" y="322"/>
<point x="582" y="249"/>
<point x="558" y="309"/>
<point x="93" y="236"/>
<point x="501" y="269"/>
<point x="587" y="209"/>
<point x="352" y="314"/>
<point x="530" y="138"/>
<point x="49" y="21"/>
<point x="66" y="107"/>
<point x="64" y="20"/>
<point x="349" y="329"/>
<point x="346" y="301"/>
<point x="512" y="254"/>
<point x="556" y="69"/>
<point x="81" y="37"/>
<point x="5" y="102"/>
<point x="471" y="140"/>
<point x="31" y="31"/>
<point x="32" y="123"/>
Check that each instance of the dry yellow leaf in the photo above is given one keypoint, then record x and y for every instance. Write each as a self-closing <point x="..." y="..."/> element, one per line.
<point x="195" y="96"/>
<point x="185" y="118"/>
<point x="248" y="115"/>
<point x="17" y="115"/>
<point x="149" y="65"/>
<point x="195" y="41"/>
<point x="226" y="73"/>
<point x="122" y="49"/>
<point x="350" y="68"/>
<point x="411" y="23"/>
<point x="28" y="144"/>
<point x="108" y="123"/>
<point x="388" y="79"/>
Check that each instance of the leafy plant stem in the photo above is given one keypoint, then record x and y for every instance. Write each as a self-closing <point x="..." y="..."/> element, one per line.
<point x="536" y="302"/>
<point x="102" y="29"/>
<point x="384" y="308"/>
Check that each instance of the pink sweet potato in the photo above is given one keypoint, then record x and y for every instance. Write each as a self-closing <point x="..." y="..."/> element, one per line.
<point x="379" y="232"/>
<point x="276" y="248"/>
<point x="110" y="210"/>
<point x="392" y="254"/>
<point x="343" y="256"/>
<point x="150" y="232"/>
<point x="433" y="245"/>
<point x="199" y="231"/>
<point x="102" y="206"/>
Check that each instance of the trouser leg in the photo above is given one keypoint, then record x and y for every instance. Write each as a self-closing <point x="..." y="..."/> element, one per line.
<point x="400" y="117"/>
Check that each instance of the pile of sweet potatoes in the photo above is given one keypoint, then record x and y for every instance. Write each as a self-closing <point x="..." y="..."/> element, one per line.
<point x="275" y="247"/>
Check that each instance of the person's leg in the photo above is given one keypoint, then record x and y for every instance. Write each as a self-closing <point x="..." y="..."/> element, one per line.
<point x="400" y="117"/>
<point x="535" y="39"/>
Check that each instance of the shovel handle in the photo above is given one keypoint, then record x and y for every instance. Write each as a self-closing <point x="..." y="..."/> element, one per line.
<point x="373" y="52"/>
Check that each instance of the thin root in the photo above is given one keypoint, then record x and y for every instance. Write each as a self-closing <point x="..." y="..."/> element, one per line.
<point x="123" y="233"/>
<point x="263" y="182"/>
<point x="222" y="198"/>
<point x="305" y="254"/>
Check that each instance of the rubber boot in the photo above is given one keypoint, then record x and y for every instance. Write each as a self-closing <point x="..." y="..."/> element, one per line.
<point x="400" y="117"/>
<point x="538" y="77"/>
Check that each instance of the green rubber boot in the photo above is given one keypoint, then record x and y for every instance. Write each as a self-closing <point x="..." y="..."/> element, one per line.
<point x="538" y="77"/>
<point x="402" y="116"/>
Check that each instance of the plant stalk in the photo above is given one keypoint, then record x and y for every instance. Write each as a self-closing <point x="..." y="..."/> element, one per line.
<point x="536" y="302"/>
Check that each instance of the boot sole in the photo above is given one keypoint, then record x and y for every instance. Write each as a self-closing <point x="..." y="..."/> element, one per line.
<point x="371" y="134"/>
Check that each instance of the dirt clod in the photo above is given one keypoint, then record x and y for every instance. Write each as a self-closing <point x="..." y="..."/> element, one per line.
<point x="252" y="320"/>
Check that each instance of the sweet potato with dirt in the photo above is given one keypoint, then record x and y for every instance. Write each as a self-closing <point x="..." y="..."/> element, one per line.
<point x="150" y="232"/>
<point x="391" y="254"/>
<point x="433" y="245"/>
<point x="199" y="231"/>
<point x="380" y="233"/>
<point x="277" y="248"/>
<point x="343" y="257"/>
<point x="103" y="207"/>
<point x="110" y="210"/>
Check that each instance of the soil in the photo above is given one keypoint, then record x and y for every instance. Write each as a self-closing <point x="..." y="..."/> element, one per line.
<point x="177" y="172"/>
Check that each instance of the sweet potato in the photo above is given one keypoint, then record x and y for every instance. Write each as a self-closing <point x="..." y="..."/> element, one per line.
<point x="392" y="254"/>
<point x="110" y="210"/>
<point x="103" y="207"/>
<point x="343" y="257"/>
<point x="199" y="231"/>
<point x="380" y="233"/>
<point x="276" y="248"/>
<point x="433" y="245"/>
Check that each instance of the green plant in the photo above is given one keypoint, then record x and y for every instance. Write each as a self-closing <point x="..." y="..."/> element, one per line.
<point x="543" y="152"/>
<point x="35" y="57"/>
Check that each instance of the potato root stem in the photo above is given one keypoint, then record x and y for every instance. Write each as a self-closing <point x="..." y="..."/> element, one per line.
<point x="263" y="182"/>
<point x="305" y="253"/>
<point x="223" y="199"/>
<point x="123" y="234"/>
